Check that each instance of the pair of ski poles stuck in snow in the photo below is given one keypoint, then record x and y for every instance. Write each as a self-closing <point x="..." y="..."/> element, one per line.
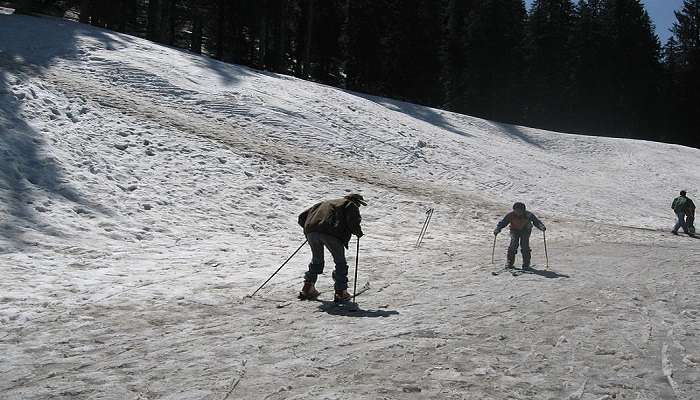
<point x="357" y="264"/>
<point x="428" y="217"/>
<point x="544" y="237"/>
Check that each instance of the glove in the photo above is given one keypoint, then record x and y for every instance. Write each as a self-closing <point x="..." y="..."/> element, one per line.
<point x="496" y="232"/>
<point x="543" y="228"/>
<point x="360" y="234"/>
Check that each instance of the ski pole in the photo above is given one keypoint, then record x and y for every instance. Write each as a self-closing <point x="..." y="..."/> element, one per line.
<point x="544" y="236"/>
<point x="357" y="263"/>
<point x="425" y="223"/>
<point x="278" y="269"/>
<point x="425" y="227"/>
<point x="425" y="230"/>
<point x="430" y="217"/>
<point x="493" y="251"/>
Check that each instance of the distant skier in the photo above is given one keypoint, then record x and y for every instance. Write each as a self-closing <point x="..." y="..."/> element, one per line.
<point x="690" y="218"/>
<point x="331" y="224"/>
<point x="683" y="206"/>
<point x="521" y="222"/>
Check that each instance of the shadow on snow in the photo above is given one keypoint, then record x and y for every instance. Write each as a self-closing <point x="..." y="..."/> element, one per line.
<point x="545" y="273"/>
<point x="353" y="310"/>
<point x="25" y="168"/>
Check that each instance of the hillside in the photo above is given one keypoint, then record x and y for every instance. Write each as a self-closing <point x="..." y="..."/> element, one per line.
<point x="144" y="191"/>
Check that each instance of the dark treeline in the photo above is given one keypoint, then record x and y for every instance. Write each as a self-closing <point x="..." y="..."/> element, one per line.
<point x="593" y="67"/>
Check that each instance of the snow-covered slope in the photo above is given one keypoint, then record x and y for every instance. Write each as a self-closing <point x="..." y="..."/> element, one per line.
<point x="145" y="190"/>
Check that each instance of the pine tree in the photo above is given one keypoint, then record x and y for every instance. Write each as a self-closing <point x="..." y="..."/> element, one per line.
<point x="550" y="57"/>
<point x="454" y="54"/>
<point x="617" y="71"/>
<point x="327" y="49"/>
<point x="484" y="76"/>
<point x="593" y="58"/>
<point x="683" y="62"/>
<point x="363" y="44"/>
<point x="636" y="70"/>
<point x="412" y="56"/>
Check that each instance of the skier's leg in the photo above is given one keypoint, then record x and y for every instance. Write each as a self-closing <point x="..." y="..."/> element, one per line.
<point x="512" y="248"/>
<point x="680" y="222"/>
<point x="690" y="223"/>
<point x="525" y="248"/>
<point x="337" y="250"/>
<point x="316" y="265"/>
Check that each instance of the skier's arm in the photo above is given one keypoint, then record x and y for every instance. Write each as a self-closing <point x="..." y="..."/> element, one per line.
<point x="536" y="221"/>
<point x="504" y="222"/>
<point x="302" y="218"/>
<point x="353" y="220"/>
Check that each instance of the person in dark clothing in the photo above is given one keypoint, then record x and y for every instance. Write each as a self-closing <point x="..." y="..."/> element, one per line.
<point x="521" y="222"/>
<point x="683" y="206"/>
<point x="330" y="224"/>
<point x="690" y="218"/>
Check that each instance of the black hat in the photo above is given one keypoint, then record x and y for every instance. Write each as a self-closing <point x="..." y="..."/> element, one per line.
<point x="356" y="198"/>
<point x="682" y="192"/>
<point x="519" y="206"/>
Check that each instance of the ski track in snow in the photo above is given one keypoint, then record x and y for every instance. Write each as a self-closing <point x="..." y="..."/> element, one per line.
<point x="144" y="191"/>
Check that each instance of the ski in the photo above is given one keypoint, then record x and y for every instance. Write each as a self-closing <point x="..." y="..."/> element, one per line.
<point x="518" y="272"/>
<point x="499" y="271"/>
<point x="363" y="289"/>
<point x="350" y="304"/>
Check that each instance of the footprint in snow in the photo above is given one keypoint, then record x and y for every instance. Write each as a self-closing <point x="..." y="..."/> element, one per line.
<point x="129" y="188"/>
<point x="72" y="117"/>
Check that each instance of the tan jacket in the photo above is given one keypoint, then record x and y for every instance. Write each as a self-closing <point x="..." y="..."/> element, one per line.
<point x="340" y="218"/>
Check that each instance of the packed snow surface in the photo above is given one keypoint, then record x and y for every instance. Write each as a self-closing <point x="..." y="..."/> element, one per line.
<point x="144" y="191"/>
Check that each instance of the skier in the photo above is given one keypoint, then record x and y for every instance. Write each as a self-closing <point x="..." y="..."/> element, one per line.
<point x="521" y="222"/>
<point x="681" y="205"/>
<point x="331" y="224"/>
<point x="690" y="218"/>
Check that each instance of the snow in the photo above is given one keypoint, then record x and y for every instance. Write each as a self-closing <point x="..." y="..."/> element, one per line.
<point x="144" y="191"/>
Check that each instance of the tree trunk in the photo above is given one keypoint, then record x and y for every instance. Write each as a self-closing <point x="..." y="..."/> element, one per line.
<point x="167" y="22"/>
<point x="153" y="25"/>
<point x="280" y="56"/>
<point x="306" y="64"/>
<point x="196" y="44"/>
<point x="220" y="30"/>
<point x="85" y="11"/>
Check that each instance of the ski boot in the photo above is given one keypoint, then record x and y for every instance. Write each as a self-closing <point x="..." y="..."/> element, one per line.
<point x="308" y="292"/>
<point x="341" y="296"/>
